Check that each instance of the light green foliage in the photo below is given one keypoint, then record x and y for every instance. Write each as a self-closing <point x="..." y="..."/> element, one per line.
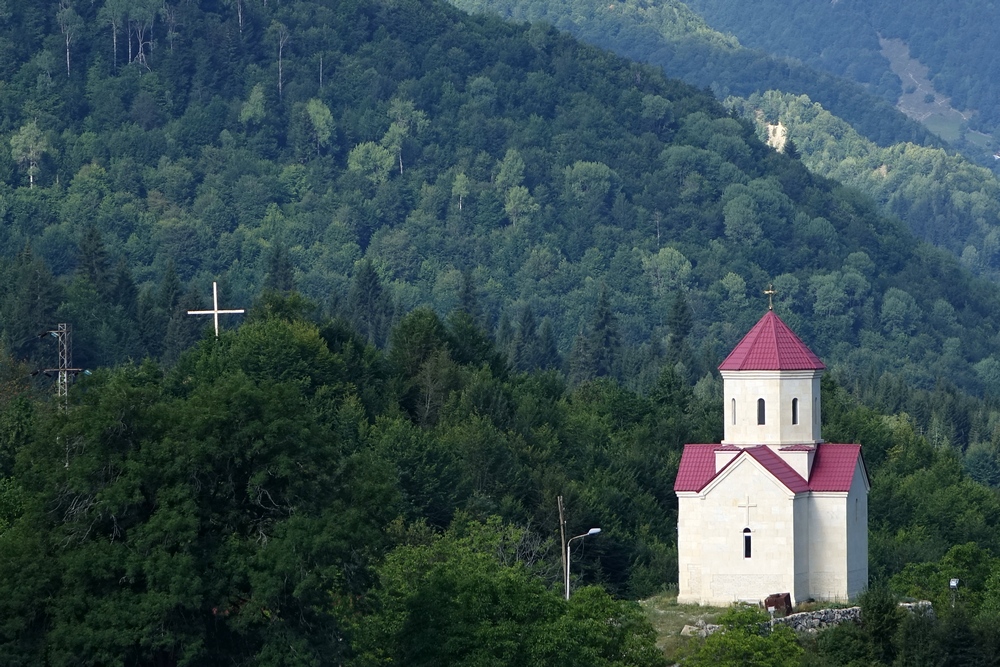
<point x="900" y="312"/>
<point x="406" y="120"/>
<point x="747" y="641"/>
<point x="27" y="147"/>
<point x="519" y="205"/>
<point x="460" y="188"/>
<point x="942" y="196"/>
<point x="667" y="270"/>
<point x="320" y="121"/>
<point x="252" y="110"/>
<point x="969" y="563"/>
<point x="735" y="289"/>
<point x="371" y="160"/>
<point x="510" y="172"/>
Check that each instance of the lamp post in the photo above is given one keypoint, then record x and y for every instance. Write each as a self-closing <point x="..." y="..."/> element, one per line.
<point x="592" y="531"/>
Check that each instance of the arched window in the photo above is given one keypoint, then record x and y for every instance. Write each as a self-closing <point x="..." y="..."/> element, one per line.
<point x="746" y="543"/>
<point x="734" y="411"/>
<point x="760" y="411"/>
<point x="795" y="411"/>
<point x="815" y="410"/>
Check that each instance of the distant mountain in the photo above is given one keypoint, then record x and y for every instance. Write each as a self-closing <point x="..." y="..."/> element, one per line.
<point x="956" y="41"/>
<point x="941" y="196"/>
<point x="669" y="34"/>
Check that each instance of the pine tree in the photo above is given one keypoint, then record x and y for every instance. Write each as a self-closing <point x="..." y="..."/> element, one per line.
<point x="152" y="323"/>
<point x="468" y="298"/>
<point x="548" y="348"/>
<point x="582" y="359"/>
<point x="369" y="306"/>
<point x="603" y="338"/>
<point x="170" y="288"/>
<point x="280" y="274"/>
<point x="28" y="303"/>
<point x="679" y="323"/>
<point x="505" y="336"/>
<point x="183" y="331"/>
<point x="524" y="348"/>
<point x="92" y="261"/>
<point x="123" y="290"/>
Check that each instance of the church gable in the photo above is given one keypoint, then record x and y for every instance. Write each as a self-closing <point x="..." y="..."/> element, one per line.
<point x="766" y="467"/>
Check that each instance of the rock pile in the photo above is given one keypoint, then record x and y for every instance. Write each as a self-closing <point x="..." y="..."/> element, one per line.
<point x="810" y="621"/>
<point x="813" y="621"/>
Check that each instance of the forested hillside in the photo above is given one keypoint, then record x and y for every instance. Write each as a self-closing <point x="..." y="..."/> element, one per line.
<point x="486" y="266"/>
<point x="954" y="40"/>
<point x="669" y="34"/>
<point x="372" y="166"/>
<point x="941" y="196"/>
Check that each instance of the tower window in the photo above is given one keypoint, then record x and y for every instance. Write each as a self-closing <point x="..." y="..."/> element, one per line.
<point x="746" y="543"/>
<point x="760" y="411"/>
<point x="795" y="411"/>
<point x="734" y="411"/>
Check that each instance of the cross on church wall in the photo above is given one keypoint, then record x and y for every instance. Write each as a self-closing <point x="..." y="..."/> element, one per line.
<point x="747" y="505"/>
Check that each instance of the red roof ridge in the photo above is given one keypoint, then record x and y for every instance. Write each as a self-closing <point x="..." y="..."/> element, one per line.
<point x="832" y="469"/>
<point x="771" y="346"/>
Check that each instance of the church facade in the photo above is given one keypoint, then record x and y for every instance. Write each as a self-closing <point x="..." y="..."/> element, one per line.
<point x="772" y="508"/>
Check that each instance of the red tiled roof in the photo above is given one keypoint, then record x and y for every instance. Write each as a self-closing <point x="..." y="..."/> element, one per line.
<point x="833" y="467"/>
<point x="697" y="467"/>
<point x="769" y="459"/>
<point x="832" y="470"/>
<point x="771" y="346"/>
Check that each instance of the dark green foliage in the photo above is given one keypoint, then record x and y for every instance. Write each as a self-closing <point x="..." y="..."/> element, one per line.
<point x="369" y="306"/>
<point x="92" y="261"/>
<point x="280" y="274"/>
<point x="468" y="598"/>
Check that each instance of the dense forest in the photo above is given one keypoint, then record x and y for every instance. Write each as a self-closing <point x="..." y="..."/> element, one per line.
<point x="841" y="131"/>
<point x="487" y="265"/>
<point x="669" y="34"/>
<point x="942" y="197"/>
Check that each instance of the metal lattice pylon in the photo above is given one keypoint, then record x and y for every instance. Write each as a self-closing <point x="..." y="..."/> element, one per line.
<point x="65" y="369"/>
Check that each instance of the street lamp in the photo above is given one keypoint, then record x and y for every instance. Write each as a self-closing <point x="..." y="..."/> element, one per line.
<point x="592" y="531"/>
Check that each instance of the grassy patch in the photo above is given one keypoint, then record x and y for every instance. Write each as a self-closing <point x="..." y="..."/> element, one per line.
<point x="669" y="618"/>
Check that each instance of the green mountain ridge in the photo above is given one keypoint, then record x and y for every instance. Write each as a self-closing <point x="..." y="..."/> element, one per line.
<point x="942" y="197"/>
<point x="547" y="180"/>
<point x="954" y="40"/>
<point x="669" y="34"/>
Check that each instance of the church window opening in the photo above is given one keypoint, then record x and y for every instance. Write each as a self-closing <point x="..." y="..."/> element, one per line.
<point x="760" y="411"/>
<point x="795" y="411"/>
<point x="734" y="411"/>
<point x="815" y="410"/>
<point x="746" y="543"/>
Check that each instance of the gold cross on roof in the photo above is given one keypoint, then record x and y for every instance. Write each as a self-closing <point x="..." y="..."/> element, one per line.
<point x="770" y="292"/>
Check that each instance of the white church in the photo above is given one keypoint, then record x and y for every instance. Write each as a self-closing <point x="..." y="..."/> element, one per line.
<point x="773" y="508"/>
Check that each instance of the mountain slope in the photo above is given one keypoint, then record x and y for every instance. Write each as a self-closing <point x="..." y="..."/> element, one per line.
<point x="281" y="146"/>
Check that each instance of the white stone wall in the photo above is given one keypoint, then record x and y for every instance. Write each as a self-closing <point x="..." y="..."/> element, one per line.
<point x="803" y="542"/>
<point x="742" y="389"/>
<point x="828" y="546"/>
<point x="710" y="527"/>
<point x="857" y="533"/>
